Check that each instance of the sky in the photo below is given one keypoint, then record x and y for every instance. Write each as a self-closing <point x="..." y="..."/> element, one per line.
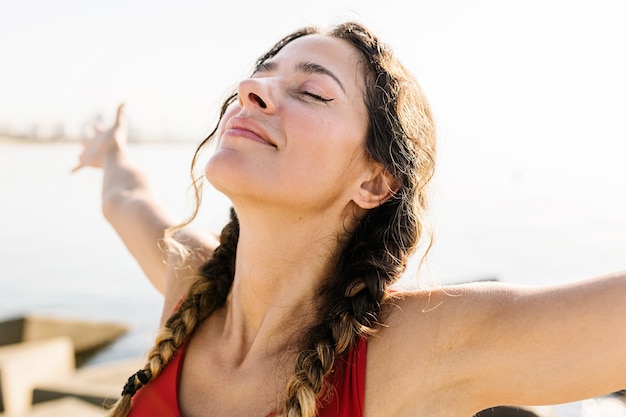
<point x="490" y="62"/>
<point x="68" y="60"/>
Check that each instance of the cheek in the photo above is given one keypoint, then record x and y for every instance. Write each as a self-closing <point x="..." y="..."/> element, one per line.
<point x="327" y="153"/>
<point x="333" y="140"/>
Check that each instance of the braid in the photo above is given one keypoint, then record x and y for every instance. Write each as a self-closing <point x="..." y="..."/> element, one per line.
<point x="206" y="295"/>
<point x="401" y="137"/>
<point x="353" y="300"/>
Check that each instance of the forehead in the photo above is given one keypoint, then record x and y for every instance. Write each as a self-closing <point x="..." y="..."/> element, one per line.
<point x="337" y="55"/>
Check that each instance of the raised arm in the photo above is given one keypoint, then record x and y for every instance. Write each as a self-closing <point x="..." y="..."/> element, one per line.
<point x="130" y="205"/>
<point x="466" y="348"/>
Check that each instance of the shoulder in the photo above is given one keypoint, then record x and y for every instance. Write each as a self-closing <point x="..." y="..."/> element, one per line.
<point x="471" y="301"/>
<point x="445" y="316"/>
<point x="424" y="347"/>
<point x="188" y="251"/>
<point x="425" y="307"/>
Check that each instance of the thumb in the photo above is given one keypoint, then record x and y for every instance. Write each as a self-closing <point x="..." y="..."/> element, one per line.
<point x="120" y="118"/>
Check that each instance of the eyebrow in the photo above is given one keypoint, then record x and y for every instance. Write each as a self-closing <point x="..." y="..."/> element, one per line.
<point x="304" y="67"/>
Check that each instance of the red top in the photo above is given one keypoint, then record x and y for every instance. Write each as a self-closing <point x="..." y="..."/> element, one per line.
<point x="160" y="397"/>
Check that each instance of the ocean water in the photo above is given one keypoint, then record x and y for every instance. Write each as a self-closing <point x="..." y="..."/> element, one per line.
<point x="58" y="256"/>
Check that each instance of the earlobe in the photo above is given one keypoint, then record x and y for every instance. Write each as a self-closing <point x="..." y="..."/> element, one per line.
<point x="377" y="190"/>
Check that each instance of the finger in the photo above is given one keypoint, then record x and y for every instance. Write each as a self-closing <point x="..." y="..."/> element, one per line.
<point x="120" y="118"/>
<point x="77" y="168"/>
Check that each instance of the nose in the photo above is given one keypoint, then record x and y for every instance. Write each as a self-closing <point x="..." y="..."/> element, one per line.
<point x="255" y="93"/>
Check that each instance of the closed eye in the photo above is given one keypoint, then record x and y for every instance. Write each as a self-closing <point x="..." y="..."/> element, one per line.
<point x="317" y="97"/>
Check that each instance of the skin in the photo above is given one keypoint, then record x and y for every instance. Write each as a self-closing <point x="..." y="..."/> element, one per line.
<point x="450" y="351"/>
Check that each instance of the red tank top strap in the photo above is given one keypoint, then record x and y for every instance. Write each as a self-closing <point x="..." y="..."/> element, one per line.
<point x="348" y="384"/>
<point x="160" y="396"/>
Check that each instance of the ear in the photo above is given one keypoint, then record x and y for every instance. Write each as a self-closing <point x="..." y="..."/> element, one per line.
<point x="377" y="189"/>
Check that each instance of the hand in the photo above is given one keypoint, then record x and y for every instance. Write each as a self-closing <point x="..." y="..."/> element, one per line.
<point x="103" y="142"/>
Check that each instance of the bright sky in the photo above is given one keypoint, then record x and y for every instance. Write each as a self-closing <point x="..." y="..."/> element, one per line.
<point x="172" y="61"/>
<point x="539" y="78"/>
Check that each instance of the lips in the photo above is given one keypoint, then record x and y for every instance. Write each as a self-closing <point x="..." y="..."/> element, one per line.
<point x="244" y="127"/>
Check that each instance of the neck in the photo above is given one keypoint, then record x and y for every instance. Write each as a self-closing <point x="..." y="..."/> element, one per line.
<point x="282" y="263"/>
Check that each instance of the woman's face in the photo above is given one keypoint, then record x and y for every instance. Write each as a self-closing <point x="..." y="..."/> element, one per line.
<point x="296" y="135"/>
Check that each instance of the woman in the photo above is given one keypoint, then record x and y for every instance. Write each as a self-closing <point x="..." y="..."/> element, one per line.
<point x="325" y="153"/>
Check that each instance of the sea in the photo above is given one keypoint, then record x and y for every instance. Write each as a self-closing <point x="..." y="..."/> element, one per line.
<point x="59" y="257"/>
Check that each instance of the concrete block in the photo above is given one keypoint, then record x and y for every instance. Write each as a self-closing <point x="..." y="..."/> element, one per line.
<point x="98" y="384"/>
<point x="88" y="336"/>
<point x="65" y="407"/>
<point x="24" y="365"/>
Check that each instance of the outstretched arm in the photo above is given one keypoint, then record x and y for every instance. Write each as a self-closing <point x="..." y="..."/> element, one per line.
<point x="470" y="347"/>
<point x="130" y="205"/>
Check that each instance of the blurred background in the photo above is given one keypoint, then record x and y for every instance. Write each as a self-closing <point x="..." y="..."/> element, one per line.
<point x="529" y="98"/>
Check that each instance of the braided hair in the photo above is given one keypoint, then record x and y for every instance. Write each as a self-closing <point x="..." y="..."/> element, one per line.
<point x="401" y="137"/>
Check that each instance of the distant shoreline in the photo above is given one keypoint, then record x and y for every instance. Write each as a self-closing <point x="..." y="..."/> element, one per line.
<point x="47" y="141"/>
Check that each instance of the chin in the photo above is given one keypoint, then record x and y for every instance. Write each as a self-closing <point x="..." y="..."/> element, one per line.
<point x="219" y="172"/>
<point x="230" y="173"/>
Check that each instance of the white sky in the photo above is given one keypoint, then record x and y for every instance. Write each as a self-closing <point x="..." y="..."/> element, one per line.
<point x="174" y="60"/>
